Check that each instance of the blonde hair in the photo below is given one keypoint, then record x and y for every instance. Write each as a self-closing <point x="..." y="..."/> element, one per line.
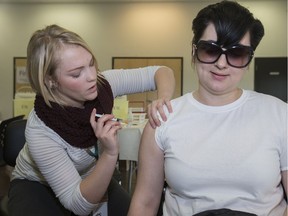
<point x="43" y="59"/>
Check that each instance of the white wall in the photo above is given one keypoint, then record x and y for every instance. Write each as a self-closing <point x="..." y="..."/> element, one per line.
<point x="127" y="29"/>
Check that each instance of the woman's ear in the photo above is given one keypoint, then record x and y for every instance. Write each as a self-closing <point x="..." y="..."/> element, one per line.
<point x="193" y="50"/>
<point x="50" y="83"/>
<point x="193" y="55"/>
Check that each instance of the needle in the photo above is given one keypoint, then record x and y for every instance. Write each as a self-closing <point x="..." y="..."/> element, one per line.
<point x="114" y="119"/>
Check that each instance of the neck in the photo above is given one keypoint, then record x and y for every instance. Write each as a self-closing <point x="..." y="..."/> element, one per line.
<point x="210" y="99"/>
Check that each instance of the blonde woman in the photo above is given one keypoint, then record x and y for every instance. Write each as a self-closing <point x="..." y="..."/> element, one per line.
<point x="60" y="169"/>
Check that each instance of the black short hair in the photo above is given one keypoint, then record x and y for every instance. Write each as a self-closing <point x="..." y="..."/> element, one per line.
<point x="231" y="20"/>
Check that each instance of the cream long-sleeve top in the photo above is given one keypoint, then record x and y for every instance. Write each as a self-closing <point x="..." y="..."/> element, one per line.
<point x="62" y="166"/>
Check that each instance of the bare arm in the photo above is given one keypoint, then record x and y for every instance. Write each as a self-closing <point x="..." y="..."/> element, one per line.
<point x="285" y="185"/>
<point x="150" y="178"/>
<point x="165" y="82"/>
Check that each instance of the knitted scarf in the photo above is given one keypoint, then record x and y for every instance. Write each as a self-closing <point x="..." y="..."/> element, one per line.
<point x="72" y="123"/>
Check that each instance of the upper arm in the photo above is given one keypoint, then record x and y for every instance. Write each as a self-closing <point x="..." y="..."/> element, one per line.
<point x="151" y="160"/>
<point x="129" y="81"/>
<point x="150" y="177"/>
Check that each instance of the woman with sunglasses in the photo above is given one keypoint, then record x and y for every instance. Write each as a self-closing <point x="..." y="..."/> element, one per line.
<point x="223" y="150"/>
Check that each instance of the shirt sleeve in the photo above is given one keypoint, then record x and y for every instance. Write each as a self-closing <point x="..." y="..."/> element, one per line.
<point x="284" y="149"/>
<point x="160" y="131"/>
<point x="284" y="157"/>
<point x="129" y="81"/>
<point x="283" y="117"/>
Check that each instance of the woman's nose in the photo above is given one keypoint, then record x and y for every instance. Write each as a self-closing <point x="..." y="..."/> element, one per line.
<point x="222" y="61"/>
<point x="91" y="74"/>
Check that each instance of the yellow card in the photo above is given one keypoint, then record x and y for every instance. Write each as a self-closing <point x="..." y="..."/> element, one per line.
<point x="120" y="109"/>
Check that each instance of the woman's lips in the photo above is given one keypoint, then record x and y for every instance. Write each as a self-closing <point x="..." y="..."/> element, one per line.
<point x="218" y="76"/>
<point x="92" y="89"/>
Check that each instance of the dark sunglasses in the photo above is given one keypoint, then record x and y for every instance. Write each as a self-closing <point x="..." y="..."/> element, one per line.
<point x="238" y="56"/>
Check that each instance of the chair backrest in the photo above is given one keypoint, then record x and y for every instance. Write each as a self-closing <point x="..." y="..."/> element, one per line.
<point x="129" y="141"/>
<point x="14" y="140"/>
<point x="4" y="124"/>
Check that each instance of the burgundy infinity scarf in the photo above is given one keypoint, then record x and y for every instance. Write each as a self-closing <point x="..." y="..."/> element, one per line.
<point x="72" y="123"/>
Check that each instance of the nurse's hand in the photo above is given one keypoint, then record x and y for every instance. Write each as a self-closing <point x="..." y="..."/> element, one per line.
<point x="155" y="109"/>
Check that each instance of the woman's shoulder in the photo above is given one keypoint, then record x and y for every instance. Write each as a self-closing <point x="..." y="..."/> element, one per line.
<point x="34" y="122"/>
<point x="177" y="105"/>
<point x="180" y="101"/>
<point x="36" y="129"/>
<point x="261" y="98"/>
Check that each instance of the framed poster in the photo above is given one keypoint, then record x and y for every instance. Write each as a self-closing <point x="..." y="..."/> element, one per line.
<point x="21" y="80"/>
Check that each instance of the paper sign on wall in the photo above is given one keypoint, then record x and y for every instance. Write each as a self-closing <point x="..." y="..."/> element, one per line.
<point x="120" y="109"/>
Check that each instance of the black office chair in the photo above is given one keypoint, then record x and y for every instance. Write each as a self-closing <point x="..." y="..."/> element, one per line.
<point x="13" y="142"/>
<point x="3" y="126"/>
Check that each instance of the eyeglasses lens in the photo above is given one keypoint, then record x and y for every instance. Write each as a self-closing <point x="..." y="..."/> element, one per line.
<point x="237" y="56"/>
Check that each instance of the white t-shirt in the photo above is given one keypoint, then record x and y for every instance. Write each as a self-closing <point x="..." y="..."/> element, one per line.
<point x="225" y="156"/>
<point x="62" y="165"/>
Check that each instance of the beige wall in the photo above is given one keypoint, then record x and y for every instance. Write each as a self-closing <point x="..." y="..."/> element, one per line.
<point x="128" y="29"/>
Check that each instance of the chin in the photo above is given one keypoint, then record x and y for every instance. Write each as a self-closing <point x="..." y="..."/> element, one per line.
<point x="92" y="96"/>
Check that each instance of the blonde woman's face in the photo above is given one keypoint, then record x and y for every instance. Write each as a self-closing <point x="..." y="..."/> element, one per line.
<point x="76" y="76"/>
